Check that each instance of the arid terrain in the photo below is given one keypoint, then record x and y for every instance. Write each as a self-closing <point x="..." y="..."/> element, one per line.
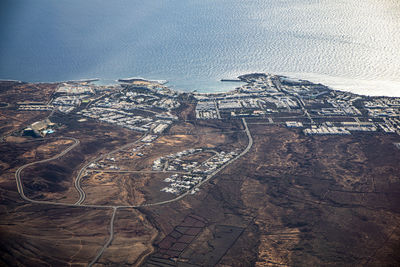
<point x="90" y="194"/>
<point x="299" y="201"/>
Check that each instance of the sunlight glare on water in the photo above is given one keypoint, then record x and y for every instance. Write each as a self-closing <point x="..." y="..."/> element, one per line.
<point x="350" y="44"/>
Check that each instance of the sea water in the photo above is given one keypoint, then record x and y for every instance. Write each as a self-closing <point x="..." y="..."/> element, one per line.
<point x="352" y="45"/>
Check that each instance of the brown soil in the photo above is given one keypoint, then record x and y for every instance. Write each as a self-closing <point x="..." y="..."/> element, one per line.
<point x="292" y="200"/>
<point x="301" y="201"/>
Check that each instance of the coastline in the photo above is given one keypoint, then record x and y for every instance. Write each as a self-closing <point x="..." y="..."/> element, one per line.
<point x="359" y="86"/>
<point x="343" y="84"/>
<point x="10" y="80"/>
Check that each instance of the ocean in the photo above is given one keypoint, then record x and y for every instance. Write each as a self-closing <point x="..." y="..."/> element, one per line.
<point x="351" y="45"/>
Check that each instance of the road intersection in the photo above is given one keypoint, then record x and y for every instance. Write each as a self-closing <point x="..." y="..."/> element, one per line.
<point x="114" y="208"/>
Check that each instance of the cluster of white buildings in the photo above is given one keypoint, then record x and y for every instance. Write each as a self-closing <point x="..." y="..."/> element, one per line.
<point x="195" y="172"/>
<point x="75" y="89"/>
<point x="294" y="124"/>
<point x="339" y="111"/>
<point x="344" y="107"/>
<point x="135" y="110"/>
<point x="389" y="126"/>
<point x="127" y="119"/>
<point x="249" y="105"/>
<point x="206" y="110"/>
<point x="259" y="84"/>
<point x="382" y="103"/>
<point x="266" y="94"/>
<point x="216" y="161"/>
<point x="345" y="128"/>
<point x="230" y="104"/>
<point x="181" y="183"/>
<point x="68" y="103"/>
<point x="174" y="161"/>
<point x="326" y="130"/>
<point x="70" y="96"/>
<point x="148" y="139"/>
<point x="387" y="109"/>
<point x="383" y="107"/>
<point x="96" y="165"/>
<point x="129" y="100"/>
<point x="259" y="97"/>
<point x="387" y="112"/>
<point x="360" y="126"/>
<point x="340" y="104"/>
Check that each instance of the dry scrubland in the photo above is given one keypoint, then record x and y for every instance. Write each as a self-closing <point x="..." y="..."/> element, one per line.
<point x="300" y="201"/>
<point x="293" y="200"/>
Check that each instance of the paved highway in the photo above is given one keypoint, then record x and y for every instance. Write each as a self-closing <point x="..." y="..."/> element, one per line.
<point x="79" y="177"/>
<point x="20" y="169"/>
<point x="110" y="239"/>
<point x="45" y="202"/>
<point x="82" y="195"/>
<point x="209" y="177"/>
<point x="113" y="207"/>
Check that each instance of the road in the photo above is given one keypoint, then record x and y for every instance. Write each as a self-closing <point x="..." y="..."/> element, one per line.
<point x="82" y="193"/>
<point x="45" y="202"/>
<point x="20" y="169"/>
<point x="210" y="176"/>
<point x="77" y="183"/>
<point x="278" y="84"/>
<point x="113" y="207"/>
<point x="110" y="239"/>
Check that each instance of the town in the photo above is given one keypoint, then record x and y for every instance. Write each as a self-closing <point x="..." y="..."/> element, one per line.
<point x="139" y="145"/>
<point x="315" y="108"/>
<point x="146" y="106"/>
<point x="149" y="107"/>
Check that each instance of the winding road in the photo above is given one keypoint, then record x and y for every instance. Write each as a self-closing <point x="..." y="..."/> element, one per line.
<point x="77" y="183"/>
<point x="82" y="194"/>
<point x="210" y="176"/>
<point x="20" y="169"/>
